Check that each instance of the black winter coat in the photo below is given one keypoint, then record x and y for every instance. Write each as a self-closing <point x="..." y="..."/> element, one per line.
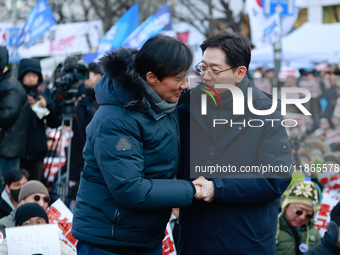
<point x="242" y="217"/>
<point x="36" y="147"/>
<point x="326" y="247"/>
<point x="13" y="117"/>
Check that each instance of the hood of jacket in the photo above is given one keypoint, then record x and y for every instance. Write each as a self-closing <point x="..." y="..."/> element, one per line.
<point x="29" y="65"/>
<point x="121" y="84"/>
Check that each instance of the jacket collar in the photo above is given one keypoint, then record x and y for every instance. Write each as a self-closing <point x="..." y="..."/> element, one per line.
<point x="6" y="198"/>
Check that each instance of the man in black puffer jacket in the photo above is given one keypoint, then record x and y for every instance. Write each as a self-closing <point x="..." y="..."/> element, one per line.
<point x="30" y="77"/>
<point x="331" y="240"/>
<point x="13" y="117"/>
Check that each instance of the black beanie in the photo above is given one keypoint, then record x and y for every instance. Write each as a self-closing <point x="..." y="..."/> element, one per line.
<point x="29" y="65"/>
<point x="27" y="211"/>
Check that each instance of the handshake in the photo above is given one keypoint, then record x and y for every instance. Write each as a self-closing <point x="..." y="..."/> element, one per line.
<point x="204" y="189"/>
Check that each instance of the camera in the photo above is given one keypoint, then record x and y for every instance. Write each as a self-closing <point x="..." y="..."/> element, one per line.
<point x="66" y="80"/>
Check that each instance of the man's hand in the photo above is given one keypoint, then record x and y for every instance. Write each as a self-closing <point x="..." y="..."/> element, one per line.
<point x="42" y="101"/>
<point x="207" y="192"/>
<point x="198" y="190"/>
<point x="30" y="99"/>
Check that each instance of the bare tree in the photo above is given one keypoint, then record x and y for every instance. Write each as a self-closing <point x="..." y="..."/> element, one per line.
<point x="200" y="14"/>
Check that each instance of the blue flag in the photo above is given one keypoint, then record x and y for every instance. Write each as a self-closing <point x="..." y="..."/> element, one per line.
<point x="117" y="34"/>
<point x="38" y="21"/>
<point x="159" y="21"/>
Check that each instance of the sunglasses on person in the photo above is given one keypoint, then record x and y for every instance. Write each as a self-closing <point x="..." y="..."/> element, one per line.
<point x="308" y="216"/>
<point x="37" y="198"/>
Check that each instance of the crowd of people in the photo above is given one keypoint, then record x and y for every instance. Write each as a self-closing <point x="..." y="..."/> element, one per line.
<point x="139" y="134"/>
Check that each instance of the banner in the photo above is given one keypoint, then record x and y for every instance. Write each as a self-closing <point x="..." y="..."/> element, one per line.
<point x="58" y="213"/>
<point x="329" y="199"/>
<point x="73" y="38"/>
<point x="120" y="31"/>
<point x="257" y="19"/>
<point x="38" y="21"/>
<point x="159" y="21"/>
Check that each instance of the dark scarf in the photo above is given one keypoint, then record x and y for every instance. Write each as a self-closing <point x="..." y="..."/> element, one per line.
<point x="224" y="111"/>
<point x="165" y="106"/>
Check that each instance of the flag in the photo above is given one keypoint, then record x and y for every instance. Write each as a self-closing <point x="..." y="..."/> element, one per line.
<point x="159" y="21"/>
<point x="120" y="31"/>
<point x="38" y="21"/>
<point x="271" y="32"/>
<point x="257" y="20"/>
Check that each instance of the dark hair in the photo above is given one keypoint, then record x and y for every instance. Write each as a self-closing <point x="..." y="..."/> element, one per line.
<point x="94" y="67"/>
<point x="163" y="56"/>
<point x="335" y="214"/>
<point x="15" y="174"/>
<point x="236" y="46"/>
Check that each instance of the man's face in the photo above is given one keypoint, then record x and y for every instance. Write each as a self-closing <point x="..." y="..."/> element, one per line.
<point x="15" y="185"/>
<point x="30" y="79"/>
<point x="170" y="88"/>
<point x="293" y="218"/>
<point x="213" y="60"/>
<point x="34" y="199"/>
<point x="34" y="221"/>
<point x="92" y="80"/>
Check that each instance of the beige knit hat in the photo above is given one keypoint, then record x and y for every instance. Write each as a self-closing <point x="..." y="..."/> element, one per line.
<point x="305" y="193"/>
<point x="32" y="187"/>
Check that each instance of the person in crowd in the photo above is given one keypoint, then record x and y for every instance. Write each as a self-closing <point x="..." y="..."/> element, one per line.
<point x="36" y="149"/>
<point x="14" y="180"/>
<point x="295" y="232"/>
<point x="238" y="210"/>
<point x="29" y="215"/>
<point x="331" y="160"/>
<point x="85" y="108"/>
<point x="329" y="92"/>
<point x="330" y="244"/>
<point x="31" y="192"/>
<point x="316" y="155"/>
<point x="132" y="151"/>
<point x="13" y="118"/>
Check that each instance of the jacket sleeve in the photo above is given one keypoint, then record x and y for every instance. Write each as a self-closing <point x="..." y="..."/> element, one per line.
<point x="273" y="150"/>
<point x="122" y="169"/>
<point x="53" y="119"/>
<point x="10" y="107"/>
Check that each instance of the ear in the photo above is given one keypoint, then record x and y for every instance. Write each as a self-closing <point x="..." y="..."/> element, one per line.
<point x="151" y="79"/>
<point x="241" y="71"/>
<point x="7" y="189"/>
<point x="98" y="76"/>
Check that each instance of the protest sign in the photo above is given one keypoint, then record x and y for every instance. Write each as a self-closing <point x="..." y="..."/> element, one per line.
<point x="36" y="239"/>
<point x="322" y="218"/>
<point x="168" y="242"/>
<point x="59" y="214"/>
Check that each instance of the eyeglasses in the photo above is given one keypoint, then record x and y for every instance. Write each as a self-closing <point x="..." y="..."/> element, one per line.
<point x="202" y="69"/>
<point x="37" y="198"/>
<point x="308" y="216"/>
